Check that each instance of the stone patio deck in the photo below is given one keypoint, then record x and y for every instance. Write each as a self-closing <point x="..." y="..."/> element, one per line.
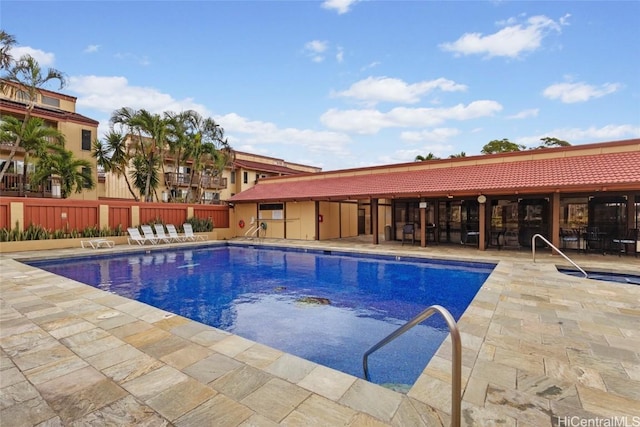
<point x="540" y="348"/>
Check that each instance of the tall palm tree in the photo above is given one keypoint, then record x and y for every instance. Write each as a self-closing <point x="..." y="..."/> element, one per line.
<point x="74" y="174"/>
<point x="178" y="135"/>
<point x="113" y="155"/>
<point x="27" y="78"/>
<point x="149" y="131"/>
<point x="207" y="149"/>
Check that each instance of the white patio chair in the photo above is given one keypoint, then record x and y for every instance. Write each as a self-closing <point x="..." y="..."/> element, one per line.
<point x="135" y="236"/>
<point x="173" y="233"/>
<point x="189" y="234"/>
<point x="148" y="234"/>
<point x="160" y="234"/>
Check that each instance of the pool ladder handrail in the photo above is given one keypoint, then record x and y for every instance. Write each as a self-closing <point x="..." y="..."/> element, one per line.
<point x="456" y="360"/>
<point x="533" y="252"/>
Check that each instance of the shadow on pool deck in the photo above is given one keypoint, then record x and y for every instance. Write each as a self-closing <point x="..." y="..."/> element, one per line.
<point x="539" y="347"/>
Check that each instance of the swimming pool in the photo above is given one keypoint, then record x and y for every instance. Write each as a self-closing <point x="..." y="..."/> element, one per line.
<point x="327" y="307"/>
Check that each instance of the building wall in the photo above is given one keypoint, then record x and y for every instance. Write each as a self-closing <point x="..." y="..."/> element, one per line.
<point x="300" y="224"/>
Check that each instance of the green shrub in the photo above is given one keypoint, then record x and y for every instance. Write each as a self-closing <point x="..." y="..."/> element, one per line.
<point x="201" y="225"/>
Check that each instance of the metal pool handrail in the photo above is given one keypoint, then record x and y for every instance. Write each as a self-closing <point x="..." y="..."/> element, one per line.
<point x="533" y="252"/>
<point x="456" y="360"/>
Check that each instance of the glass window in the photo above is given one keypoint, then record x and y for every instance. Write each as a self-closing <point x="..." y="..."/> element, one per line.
<point x="245" y="177"/>
<point x="86" y="171"/>
<point x="86" y="140"/>
<point x="48" y="100"/>
<point x="233" y="177"/>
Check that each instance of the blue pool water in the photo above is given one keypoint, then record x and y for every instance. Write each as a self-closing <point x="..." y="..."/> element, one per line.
<point x="256" y="293"/>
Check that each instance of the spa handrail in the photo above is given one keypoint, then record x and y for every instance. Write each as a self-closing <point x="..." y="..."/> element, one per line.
<point x="456" y="360"/>
<point x="533" y="252"/>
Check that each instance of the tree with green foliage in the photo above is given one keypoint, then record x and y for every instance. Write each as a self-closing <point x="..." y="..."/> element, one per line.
<point x="36" y="138"/>
<point x="74" y="174"/>
<point x="7" y="41"/>
<point x="207" y="149"/>
<point x="456" y="156"/>
<point x="430" y="156"/>
<point x="501" y="146"/>
<point x="113" y="155"/>
<point x="548" y="142"/>
<point x="149" y="133"/>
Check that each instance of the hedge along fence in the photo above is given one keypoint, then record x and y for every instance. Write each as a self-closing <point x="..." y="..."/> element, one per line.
<point x="69" y="218"/>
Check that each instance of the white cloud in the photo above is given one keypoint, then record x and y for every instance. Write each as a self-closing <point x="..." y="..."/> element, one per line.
<point x="591" y="134"/>
<point x="385" y="89"/>
<point x="433" y="135"/>
<point x="510" y="41"/>
<point x="341" y="6"/>
<point x="244" y="132"/>
<point x="316" y="49"/>
<point x="142" y="60"/>
<point x="579" y="92"/>
<point x="107" y="94"/>
<point x="45" y="59"/>
<point x="370" y="121"/>
<point x="340" y="55"/>
<point x="92" y="48"/>
<point x="525" y="114"/>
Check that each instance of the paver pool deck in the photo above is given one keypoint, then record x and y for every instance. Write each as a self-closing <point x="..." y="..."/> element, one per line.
<point x="540" y="348"/>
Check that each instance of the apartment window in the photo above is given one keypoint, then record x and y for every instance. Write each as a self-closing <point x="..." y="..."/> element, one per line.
<point x="48" y="100"/>
<point x="86" y="140"/>
<point x="245" y="177"/>
<point x="233" y="177"/>
<point x="86" y="172"/>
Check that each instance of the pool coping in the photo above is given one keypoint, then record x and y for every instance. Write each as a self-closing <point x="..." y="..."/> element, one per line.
<point x="488" y="328"/>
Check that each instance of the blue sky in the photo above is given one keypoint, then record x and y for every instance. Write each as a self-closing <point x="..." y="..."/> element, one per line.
<point x="342" y="83"/>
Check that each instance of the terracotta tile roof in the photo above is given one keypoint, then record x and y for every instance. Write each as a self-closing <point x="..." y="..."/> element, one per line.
<point x="49" y="113"/>
<point x="597" y="172"/>
<point x="265" y="167"/>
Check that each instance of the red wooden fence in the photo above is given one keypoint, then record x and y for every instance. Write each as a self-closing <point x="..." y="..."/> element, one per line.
<point x="60" y="214"/>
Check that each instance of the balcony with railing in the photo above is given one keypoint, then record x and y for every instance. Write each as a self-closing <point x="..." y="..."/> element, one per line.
<point x="173" y="179"/>
<point x="14" y="185"/>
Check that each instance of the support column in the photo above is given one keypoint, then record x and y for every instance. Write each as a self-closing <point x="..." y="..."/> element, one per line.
<point x="482" y="226"/>
<point x="423" y="224"/>
<point x="555" y="219"/>
<point x="374" y="221"/>
<point x="631" y="211"/>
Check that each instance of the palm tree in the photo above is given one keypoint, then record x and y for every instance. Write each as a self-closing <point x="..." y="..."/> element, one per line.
<point x="25" y="77"/>
<point x="456" y="156"/>
<point x="207" y="149"/>
<point x="73" y="173"/>
<point x="6" y="43"/>
<point x="37" y="139"/>
<point x="149" y="131"/>
<point x="113" y="155"/>
<point x="178" y="135"/>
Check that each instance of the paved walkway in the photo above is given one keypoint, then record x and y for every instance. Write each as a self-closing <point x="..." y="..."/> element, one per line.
<point x="540" y="348"/>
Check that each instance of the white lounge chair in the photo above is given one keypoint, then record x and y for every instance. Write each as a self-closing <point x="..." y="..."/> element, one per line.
<point x="173" y="233"/>
<point x="135" y="236"/>
<point x="189" y="234"/>
<point x="97" y="243"/>
<point x="160" y="234"/>
<point x="148" y="234"/>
